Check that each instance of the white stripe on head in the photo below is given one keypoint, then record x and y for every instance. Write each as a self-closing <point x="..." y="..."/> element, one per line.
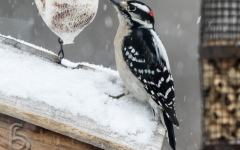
<point x="142" y="7"/>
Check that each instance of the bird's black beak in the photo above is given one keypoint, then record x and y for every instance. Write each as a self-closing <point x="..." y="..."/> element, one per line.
<point x="115" y="2"/>
<point x="120" y="5"/>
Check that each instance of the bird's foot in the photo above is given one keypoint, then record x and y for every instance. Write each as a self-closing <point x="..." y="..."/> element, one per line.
<point x="119" y="96"/>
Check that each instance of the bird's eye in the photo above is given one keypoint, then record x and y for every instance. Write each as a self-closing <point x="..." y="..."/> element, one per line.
<point x="132" y="8"/>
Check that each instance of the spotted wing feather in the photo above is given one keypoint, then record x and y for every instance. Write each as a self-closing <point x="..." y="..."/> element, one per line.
<point x="140" y="54"/>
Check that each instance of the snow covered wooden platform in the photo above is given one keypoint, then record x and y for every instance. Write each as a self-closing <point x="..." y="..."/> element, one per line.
<point x="74" y="103"/>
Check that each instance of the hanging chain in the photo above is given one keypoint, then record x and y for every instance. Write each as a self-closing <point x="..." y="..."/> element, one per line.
<point x="61" y="52"/>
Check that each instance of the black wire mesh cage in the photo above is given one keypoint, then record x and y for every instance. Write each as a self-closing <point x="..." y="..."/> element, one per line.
<point x="220" y="74"/>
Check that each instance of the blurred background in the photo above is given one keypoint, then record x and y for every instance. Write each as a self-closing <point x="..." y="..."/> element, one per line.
<point x="177" y="23"/>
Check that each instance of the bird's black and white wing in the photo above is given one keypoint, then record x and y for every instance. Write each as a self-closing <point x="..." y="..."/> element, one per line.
<point x="147" y="59"/>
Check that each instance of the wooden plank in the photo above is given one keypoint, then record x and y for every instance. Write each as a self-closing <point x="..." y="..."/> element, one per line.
<point x="40" y="138"/>
<point x="23" y="47"/>
<point x="62" y="121"/>
<point x="77" y="127"/>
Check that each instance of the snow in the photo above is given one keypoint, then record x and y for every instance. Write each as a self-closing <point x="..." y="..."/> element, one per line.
<point x="82" y="92"/>
<point x="68" y="63"/>
<point x="105" y="7"/>
<point x="108" y="22"/>
<point x="199" y="19"/>
<point x="178" y="26"/>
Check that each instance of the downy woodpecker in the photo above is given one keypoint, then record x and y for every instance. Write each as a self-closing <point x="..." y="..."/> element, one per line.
<point x="143" y="63"/>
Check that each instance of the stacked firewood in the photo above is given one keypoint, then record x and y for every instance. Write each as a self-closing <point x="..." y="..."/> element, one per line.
<point x="223" y="42"/>
<point x="221" y="88"/>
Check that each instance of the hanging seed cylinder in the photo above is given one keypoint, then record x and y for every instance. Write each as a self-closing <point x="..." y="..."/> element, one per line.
<point x="219" y="51"/>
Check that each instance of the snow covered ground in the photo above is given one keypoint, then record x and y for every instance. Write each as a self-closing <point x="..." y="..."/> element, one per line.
<point x="82" y="92"/>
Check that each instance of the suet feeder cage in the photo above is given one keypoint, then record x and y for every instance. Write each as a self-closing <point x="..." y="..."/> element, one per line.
<point x="220" y="74"/>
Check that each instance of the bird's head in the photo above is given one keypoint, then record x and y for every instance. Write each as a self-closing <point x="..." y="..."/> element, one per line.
<point x="134" y="14"/>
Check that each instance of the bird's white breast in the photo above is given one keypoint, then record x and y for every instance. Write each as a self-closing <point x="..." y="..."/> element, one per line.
<point x="132" y="84"/>
<point x="67" y="18"/>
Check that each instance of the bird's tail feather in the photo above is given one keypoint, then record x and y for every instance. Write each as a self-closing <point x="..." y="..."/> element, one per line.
<point x="170" y="132"/>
